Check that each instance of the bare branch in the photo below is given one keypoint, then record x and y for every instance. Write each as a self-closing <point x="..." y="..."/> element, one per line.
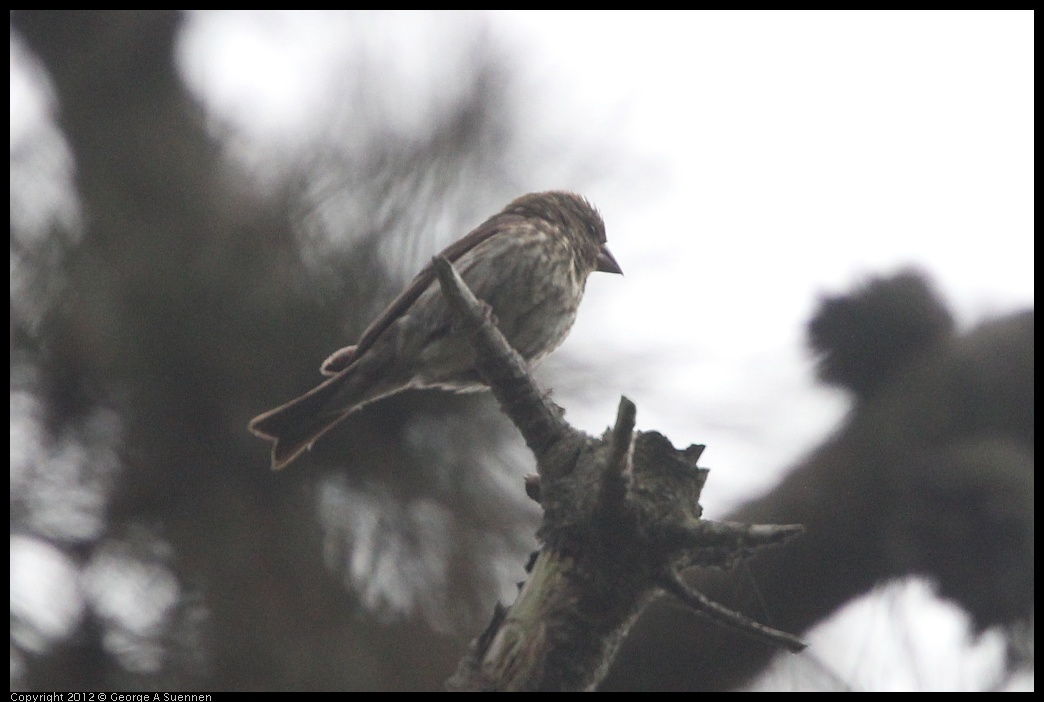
<point x="621" y="515"/>
<point x="673" y="584"/>
<point x="539" y="419"/>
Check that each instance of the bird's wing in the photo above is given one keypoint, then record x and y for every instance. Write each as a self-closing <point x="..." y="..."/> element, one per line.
<point x="345" y="357"/>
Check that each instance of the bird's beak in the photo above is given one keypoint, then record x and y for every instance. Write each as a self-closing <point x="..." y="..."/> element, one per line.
<point x="606" y="262"/>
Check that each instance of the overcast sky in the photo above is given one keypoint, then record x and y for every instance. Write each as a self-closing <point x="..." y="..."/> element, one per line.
<point x="782" y="155"/>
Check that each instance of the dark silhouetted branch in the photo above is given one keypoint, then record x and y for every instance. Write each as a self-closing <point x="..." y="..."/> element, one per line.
<point x="621" y="519"/>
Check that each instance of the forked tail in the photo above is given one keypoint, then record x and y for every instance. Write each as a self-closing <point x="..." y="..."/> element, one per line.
<point x="296" y="425"/>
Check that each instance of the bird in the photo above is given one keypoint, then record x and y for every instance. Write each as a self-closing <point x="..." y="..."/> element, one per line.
<point x="529" y="263"/>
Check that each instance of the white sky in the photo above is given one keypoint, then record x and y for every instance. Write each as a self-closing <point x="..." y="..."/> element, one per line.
<point x="800" y="151"/>
<point x="792" y="152"/>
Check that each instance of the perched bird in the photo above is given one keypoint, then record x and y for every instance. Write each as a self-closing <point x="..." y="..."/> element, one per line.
<point x="529" y="263"/>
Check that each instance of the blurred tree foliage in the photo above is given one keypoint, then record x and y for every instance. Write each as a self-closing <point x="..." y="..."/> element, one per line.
<point x="180" y="294"/>
<point x="189" y="298"/>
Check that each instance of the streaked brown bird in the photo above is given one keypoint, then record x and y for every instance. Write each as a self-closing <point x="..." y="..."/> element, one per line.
<point x="529" y="263"/>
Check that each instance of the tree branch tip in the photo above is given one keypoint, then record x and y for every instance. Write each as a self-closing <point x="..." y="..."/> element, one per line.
<point x="441" y="264"/>
<point x="622" y="437"/>
<point x="694" y="451"/>
<point x="626" y="413"/>
<point x="773" y="534"/>
<point x="672" y="582"/>
<point x="449" y="279"/>
<point x="532" y="482"/>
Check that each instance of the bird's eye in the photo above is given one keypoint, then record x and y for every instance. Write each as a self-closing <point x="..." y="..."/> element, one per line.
<point x="592" y="230"/>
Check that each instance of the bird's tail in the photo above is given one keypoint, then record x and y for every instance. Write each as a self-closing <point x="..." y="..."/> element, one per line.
<point x="296" y="425"/>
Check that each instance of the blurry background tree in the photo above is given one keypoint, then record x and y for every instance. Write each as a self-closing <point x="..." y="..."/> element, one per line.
<point x="163" y="292"/>
<point x="186" y="299"/>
